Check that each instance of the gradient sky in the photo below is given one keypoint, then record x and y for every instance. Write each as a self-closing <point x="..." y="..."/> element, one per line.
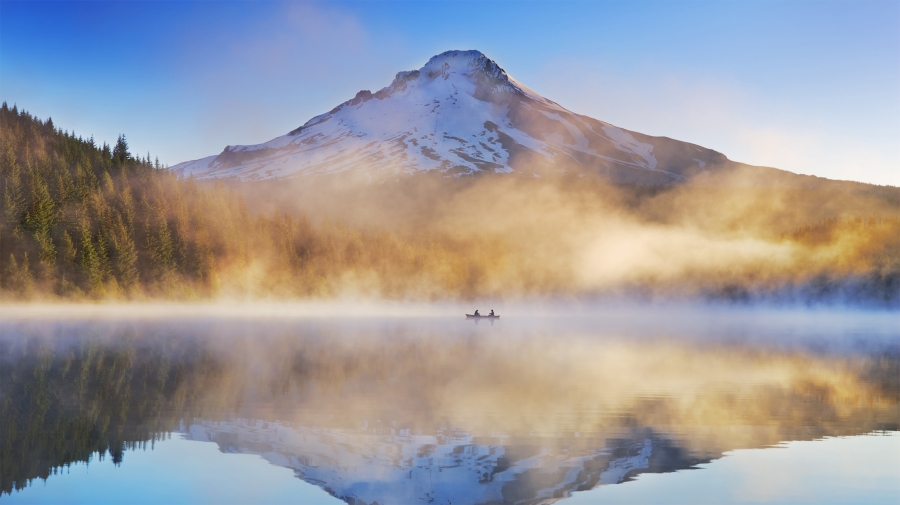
<point x="807" y="86"/>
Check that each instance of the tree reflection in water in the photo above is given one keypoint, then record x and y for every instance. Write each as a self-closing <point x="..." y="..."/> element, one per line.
<point x="395" y="412"/>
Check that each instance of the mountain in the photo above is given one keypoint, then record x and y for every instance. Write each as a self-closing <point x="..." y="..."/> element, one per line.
<point x="460" y="114"/>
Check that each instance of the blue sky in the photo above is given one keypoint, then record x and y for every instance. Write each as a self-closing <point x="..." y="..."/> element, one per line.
<point x="812" y="87"/>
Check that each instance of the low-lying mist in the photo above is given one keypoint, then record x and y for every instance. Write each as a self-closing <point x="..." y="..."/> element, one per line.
<point x="88" y="222"/>
<point x="733" y="236"/>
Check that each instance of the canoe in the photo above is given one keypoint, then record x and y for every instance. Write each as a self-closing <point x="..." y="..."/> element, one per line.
<point x="473" y="316"/>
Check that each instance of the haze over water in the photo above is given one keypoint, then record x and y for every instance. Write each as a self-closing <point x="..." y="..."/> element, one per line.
<point x="590" y="405"/>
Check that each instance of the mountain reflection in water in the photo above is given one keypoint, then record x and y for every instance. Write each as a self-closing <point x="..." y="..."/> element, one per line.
<point x="398" y="411"/>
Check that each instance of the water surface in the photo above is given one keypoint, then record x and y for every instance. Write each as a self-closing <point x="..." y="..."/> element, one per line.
<point x="639" y="405"/>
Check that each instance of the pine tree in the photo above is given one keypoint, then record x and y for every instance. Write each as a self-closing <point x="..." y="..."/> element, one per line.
<point x="40" y="219"/>
<point x="13" y="198"/>
<point x="126" y="255"/>
<point x="128" y="207"/>
<point x="108" y="185"/>
<point x="162" y="249"/>
<point x="67" y="248"/>
<point x="66" y="186"/>
<point x="18" y="279"/>
<point x="103" y="256"/>
<point x="120" y="153"/>
<point x="90" y="261"/>
<point x="9" y="275"/>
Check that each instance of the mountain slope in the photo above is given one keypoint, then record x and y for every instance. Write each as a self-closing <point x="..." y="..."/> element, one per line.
<point x="460" y="114"/>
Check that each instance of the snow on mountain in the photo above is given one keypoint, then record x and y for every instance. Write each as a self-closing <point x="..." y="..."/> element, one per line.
<point x="396" y="466"/>
<point x="460" y="114"/>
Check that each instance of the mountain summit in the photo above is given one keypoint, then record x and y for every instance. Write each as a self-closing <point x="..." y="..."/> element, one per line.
<point x="460" y="114"/>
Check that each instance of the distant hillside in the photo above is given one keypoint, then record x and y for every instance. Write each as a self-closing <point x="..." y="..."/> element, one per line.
<point x="82" y="221"/>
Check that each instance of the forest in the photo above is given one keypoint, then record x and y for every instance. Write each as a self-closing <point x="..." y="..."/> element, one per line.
<point x="82" y="221"/>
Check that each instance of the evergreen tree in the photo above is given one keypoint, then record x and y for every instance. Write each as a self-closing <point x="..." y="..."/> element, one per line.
<point x="162" y="248"/>
<point x="18" y="278"/>
<point x="90" y="262"/>
<point x="67" y="248"/>
<point x="40" y="220"/>
<point x="120" y="153"/>
<point x="126" y="256"/>
<point x="128" y="207"/>
<point x="13" y="198"/>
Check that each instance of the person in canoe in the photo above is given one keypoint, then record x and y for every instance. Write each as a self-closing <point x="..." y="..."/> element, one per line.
<point x="492" y="313"/>
<point x="476" y="313"/>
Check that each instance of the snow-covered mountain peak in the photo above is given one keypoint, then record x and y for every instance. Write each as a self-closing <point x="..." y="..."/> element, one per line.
<point x="459" y="114"/>
<point x="470" y="71"/>
<point x="471" y="64"/>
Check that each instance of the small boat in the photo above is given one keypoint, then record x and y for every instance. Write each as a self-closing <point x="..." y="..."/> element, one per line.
<point x="479" y="316"/>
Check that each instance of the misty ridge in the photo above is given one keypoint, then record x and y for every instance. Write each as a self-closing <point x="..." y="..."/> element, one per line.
<point x="88" y="222"/>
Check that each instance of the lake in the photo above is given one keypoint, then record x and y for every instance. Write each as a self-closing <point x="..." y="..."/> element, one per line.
<point x="414" y="404"/>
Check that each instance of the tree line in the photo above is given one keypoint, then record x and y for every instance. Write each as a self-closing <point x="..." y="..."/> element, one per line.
<point x="88" y="221"/>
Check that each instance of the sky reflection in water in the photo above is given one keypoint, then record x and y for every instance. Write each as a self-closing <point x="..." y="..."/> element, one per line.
<point x="404" y="410"/>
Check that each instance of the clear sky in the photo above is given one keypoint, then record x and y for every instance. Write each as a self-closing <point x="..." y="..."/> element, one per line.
<point x="807" y="86"/>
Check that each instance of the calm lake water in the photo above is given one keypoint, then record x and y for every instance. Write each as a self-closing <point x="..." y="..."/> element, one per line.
<point x="639" y="405"/>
